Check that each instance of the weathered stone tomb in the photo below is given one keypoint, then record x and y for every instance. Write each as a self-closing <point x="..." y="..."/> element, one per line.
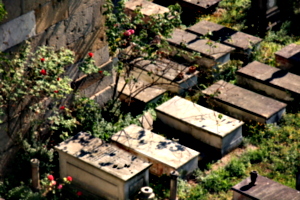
<point x="205" y="125"/>
<point x="165" y="155"/>
<point x="101" y="168"/>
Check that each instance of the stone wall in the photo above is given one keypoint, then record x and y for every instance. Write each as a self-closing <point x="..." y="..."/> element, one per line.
<point x="74" y="24"/>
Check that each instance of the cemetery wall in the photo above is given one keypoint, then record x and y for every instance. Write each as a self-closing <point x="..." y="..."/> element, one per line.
<point x="74" y="24"/>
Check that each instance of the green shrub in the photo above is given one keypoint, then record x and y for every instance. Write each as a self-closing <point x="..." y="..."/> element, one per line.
<point x="236" y="168"/>
<point x="216" y="181"/>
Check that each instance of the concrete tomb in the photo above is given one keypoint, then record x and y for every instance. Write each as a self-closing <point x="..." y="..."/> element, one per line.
<point x="101" y="168"/>
<point x="244" y="104"/>
<point x="208" y="126"/>
<point x="164" y="73"/>
<point x="211" y="53"/>
<point x="147" y="8"/>
<point x="277" y="83"/>
<point x="264" y="189"/>
<point x="139" y="91"/>
<point x="165" y="155"/>
<point x="224" y="35"/>
<point x="288" y="58"/>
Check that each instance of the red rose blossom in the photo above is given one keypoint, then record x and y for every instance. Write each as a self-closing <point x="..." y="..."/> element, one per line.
<point x="43" y="72"/>
<point x="131" y="31"/>
<point x="43" y="59"/>
<point x="62" y="108"/>
<point x="50" y="177"/>
<point x="55" y="91"/>
<point x="127" y="33"/>
<point x="69" y="178"/>
<point x="91" y="54"/>
<point x="60" y="186"/>
<point x="79" y="193"/>
<point x="100" y="72"/>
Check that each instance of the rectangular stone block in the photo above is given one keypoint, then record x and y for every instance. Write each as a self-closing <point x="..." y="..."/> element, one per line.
<point x="264" y="188"/>
<point x="244" y="104"/>
<point x="51" y="13"/>
<point x="17" y="30"/>
<point x="165" y="155"/>
<point x="164" y="73"/>
<point x="224" y="35"/>
<point x="276" y="83"/>
<point x="139" y="92"/>
<point x="288" y="58"/>
<point x="211" y="53"/>
<point x="203" y="4"/>
<point x="147" y="8"/>
<point x="205" y="125"/>
<point x="101" y="168"/>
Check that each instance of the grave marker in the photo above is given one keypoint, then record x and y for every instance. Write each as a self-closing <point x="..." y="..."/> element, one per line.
<point x="212" y="53"/>
<point x="147" y="8"/>
<point x="205" y="125"/>
<point x="272" y="81"/>
<point x="101" y="168"/>
<point x="264" y="188"/>
<point x="239" y="40"/>
<point x="244" y="104"/>
<point x="288" y="58"/>
<point x="164" y="73"/>
<point x="165" y="155"/>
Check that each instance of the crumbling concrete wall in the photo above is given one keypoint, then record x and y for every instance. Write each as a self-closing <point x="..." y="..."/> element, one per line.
<point x="74" y="24"/>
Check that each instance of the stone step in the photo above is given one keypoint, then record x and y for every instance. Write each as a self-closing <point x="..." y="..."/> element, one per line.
<point x="288" y="58"/>
<point x="102" y="168"/>
<point x="165" y="155"/>
<point x="139" y="91"/>
<point x="211" y="53"/>
<point x="239" y="40"/>
<point x="147" y="8"/>
<point x="244" y="104"/>
<point x="203" y="124"/>
<point x="165" y="74"/>
<point x="276" y="83"/>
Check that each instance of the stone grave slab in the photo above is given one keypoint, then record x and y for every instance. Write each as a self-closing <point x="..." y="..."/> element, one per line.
<point x="164" y="73"/>
<point x="165" y="155"/>
<point x="244" y="104"/>
<point x="101" y="168"/>
<point x="277" y="83"/>
<point x="147" y="8"/>
<point x="208" y="126"/>
<point x="264" y="188"/>
<point x="139" y="91"/>
<point x="288" y="58"/>
<point x="224" y="35"/>
<point x="202" y="6"/>
<point x="211" y="52"/>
